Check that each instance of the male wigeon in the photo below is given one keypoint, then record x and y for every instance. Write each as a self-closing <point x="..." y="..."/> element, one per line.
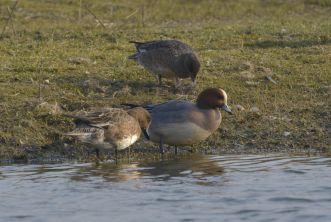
<point x="110" y="128"/>
<point x="184" y="123"/>
<point x="168" y="59"/>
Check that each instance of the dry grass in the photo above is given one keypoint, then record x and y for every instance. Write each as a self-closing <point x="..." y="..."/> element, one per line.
<point x="67" y="64"/>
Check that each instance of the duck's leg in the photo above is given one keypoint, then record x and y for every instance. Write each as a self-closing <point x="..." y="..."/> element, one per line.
<point x="161" y="147"/>
<point x="178" y="83"/>
<point x="116" y="152"/>
<point x="129" y="153"/>
<point x="97" y="153"/>
<point x="145" y="133"/>
<point x="159" y="79"/>
<point x="194" y="82"/>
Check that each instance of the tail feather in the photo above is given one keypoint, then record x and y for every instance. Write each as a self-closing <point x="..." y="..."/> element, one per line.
<point x="77" y="134"/>
<point x="149" y="107"/>
<point x="141" y="45"/>
<point x="84" y="131"/>
<point x="130" y="105"/>
<point x="83" y="137"/>
<point x="136" y="42"/>
<point x="134" y="56"/>
<point x="79" y="121"/>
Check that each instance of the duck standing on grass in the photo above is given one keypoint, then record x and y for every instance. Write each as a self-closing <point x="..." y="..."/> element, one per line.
<point x="110" y="128"/>
<point x="179" y="123"/>
<point x="168" y="59"/>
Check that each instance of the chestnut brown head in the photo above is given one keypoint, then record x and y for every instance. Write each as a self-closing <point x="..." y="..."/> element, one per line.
<point x="213" y="98"/>
<point x="141" y="115"/>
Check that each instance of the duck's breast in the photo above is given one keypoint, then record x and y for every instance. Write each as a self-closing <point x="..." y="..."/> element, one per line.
<point x="127" y="141"/>
<point x="122" y="134"/>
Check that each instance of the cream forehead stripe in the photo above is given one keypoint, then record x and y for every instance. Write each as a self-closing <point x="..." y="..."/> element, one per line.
<point x="225" y="96"/>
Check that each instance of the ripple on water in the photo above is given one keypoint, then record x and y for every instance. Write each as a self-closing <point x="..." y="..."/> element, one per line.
<point x="185" y="188"/>
<point x="291" y="199"/>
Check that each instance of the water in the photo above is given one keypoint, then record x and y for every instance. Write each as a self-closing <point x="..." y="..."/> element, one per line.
<point x="194" y="188"/>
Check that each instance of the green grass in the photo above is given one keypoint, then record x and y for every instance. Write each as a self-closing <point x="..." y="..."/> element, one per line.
<point x="238" y="43"/>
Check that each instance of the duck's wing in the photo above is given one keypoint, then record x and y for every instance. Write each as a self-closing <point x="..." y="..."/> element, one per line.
<point x="142" y="47"/>
<point x="172" y="112"/>
<point x="86" y="133"/>
<point x="171" y="105"/>
<point x="102" y="117"/>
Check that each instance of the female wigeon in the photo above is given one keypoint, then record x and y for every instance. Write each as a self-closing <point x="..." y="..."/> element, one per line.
<point x="168" y="59"/>
<point x="184" y="123"/>
<point x="110" y="128"/>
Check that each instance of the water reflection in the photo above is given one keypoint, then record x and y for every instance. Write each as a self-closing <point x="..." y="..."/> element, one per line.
<point x="195" y="166"/>
<point x="185" y="188"/>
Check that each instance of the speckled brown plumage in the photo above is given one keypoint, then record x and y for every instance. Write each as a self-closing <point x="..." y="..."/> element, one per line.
<point x="110" y="127"/>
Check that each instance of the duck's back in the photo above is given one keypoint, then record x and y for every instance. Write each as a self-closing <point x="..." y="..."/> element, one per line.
<point x="163" y="57"/>
<point x="102" y="116"/>
<point x="174" y="47"/>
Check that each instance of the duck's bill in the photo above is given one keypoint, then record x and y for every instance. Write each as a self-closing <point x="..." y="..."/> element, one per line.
<point x="226" y="108"/>
<point x="194" y="81"/>
<point x="145" y="133"/>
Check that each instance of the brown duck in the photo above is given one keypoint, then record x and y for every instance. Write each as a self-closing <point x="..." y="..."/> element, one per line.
<point x="110" y="128"/>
